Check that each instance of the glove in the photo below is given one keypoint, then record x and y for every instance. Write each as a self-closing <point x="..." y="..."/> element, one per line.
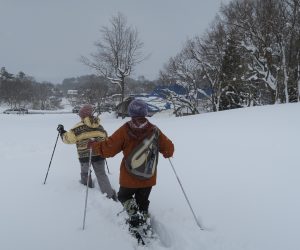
<point x="60" y="129"/>
<point x="167" y="154"/>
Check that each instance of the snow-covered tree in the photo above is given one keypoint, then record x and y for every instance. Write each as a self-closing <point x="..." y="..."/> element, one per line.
<point x="183" y="71"/>
<point x="249" y="56"/>
<point x="267" y="29"/>
<point x="208" y="51"/>
<point x="4" y="75"/>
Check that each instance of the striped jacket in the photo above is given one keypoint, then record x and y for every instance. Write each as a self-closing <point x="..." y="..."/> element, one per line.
<point x="81" y="133"/>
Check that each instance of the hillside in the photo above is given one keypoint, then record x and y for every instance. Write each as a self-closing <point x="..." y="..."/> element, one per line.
<point x="239" y="169"/>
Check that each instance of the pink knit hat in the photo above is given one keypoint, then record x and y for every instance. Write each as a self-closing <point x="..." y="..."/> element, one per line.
<point x="85" y="111"/>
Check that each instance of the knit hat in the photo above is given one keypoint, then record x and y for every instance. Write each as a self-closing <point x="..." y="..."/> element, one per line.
<point x="137" y="108"/>
<point x="85" y="111"/>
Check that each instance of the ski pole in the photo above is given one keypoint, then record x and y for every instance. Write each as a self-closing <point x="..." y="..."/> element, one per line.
<point x="51" y="159"/>
<point x="107" y="166"/>
<point x="87" y="187"/>
<point x="196" y="219"/>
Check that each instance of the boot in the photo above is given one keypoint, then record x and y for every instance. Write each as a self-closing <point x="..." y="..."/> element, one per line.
<point x="131" y="207"/>
<point x="84" y="179"/>
<point x="114" y="196"/>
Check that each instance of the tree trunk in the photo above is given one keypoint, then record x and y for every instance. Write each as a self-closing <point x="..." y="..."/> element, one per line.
<point x="285" y="74"/>
<point x="122" y="88"/>
<point x="298" y="76"/>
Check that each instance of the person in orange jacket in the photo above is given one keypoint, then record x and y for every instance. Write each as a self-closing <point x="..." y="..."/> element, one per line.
<point x="134" y="191"/>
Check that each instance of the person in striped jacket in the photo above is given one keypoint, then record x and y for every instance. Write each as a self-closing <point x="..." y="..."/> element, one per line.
<point x="89" y="128"/>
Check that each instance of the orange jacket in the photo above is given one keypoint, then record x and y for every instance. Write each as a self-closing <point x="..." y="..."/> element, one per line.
<point x="122" y="140"/>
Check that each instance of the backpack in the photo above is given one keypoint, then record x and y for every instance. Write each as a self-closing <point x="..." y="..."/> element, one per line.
<point x="142" y="161"/>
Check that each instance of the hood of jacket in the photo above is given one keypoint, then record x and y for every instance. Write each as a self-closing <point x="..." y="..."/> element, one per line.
<point x="139" y="128"/>
<point x="91" y="121"/>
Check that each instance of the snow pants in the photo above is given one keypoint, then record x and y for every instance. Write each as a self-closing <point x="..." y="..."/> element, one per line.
<point x="99" y="169"/>
<point x="141" y="196"/>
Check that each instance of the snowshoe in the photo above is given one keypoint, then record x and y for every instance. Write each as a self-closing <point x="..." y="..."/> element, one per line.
<point x="114" y="196"/>
<point x="140" y="227"/>
<point x="135" y="233"/>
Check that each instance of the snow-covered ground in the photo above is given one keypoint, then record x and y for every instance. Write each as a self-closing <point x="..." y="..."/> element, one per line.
<point x="239" y="168"/>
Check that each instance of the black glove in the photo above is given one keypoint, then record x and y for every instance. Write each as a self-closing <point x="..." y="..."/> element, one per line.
<point x="60" y="129"/>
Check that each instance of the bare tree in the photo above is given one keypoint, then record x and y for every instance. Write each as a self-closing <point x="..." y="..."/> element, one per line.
<point x="41" y="94"/>
<point x="118" y="52"/>
<point x="93" y="92"/>
<point x="185" y="72"/>
<point x="208" y="52"/>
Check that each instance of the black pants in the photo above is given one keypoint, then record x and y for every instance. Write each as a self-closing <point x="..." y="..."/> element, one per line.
<point x="141" y="196"/>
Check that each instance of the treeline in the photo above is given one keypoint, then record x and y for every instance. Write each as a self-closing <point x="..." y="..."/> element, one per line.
<point x="21" y="90"/>
<point x="249" y="56"/>
<point x="103" y="85"/>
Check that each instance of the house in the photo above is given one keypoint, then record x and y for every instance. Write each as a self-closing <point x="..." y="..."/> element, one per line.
<point x="72" y="92"/>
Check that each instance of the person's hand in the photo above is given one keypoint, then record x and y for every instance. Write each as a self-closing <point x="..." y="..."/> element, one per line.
<point x="167" y="154"/>
<point x="92" y="144"/>
<point x="60" y="129"/>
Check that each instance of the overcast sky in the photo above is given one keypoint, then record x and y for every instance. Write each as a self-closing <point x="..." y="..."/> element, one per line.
<point x="45" y="38"/>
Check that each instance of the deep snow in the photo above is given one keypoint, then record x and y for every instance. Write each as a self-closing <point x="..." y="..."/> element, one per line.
<point x="239" y="169"/>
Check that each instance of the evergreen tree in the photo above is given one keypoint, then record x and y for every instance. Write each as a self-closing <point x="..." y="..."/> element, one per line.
<point x="231" y="76"/>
